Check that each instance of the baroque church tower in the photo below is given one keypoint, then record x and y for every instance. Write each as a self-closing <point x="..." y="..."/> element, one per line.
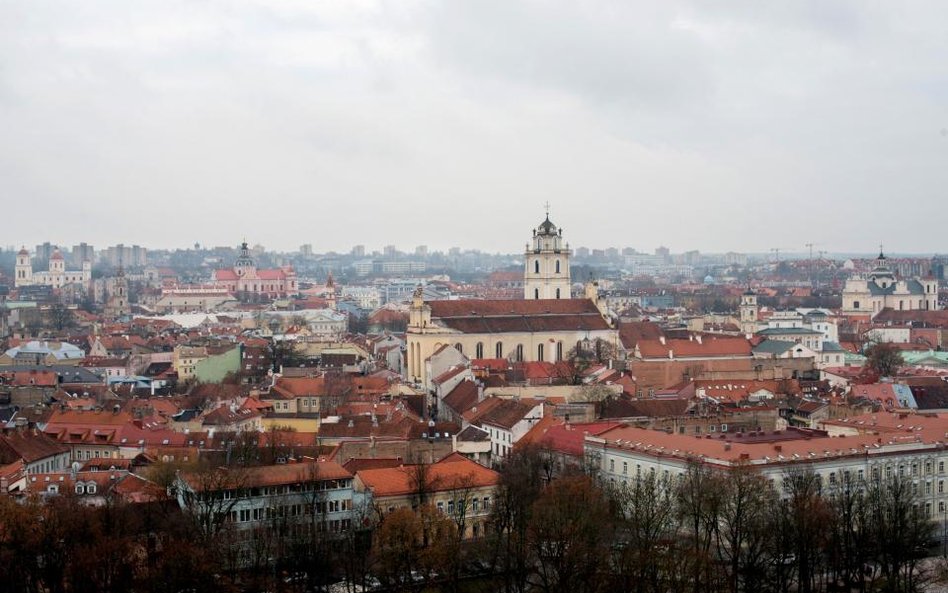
<point x="24" y="269"/>
<point x="546" y="264"/>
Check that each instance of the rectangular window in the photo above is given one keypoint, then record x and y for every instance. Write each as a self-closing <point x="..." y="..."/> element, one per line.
<point x="625" y="467"/>
<point x="612" y="465"/>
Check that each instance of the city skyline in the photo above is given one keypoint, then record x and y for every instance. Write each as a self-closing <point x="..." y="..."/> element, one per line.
<point x="754" y="126"/>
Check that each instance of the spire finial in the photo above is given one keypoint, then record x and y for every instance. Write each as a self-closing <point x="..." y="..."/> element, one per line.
<point x="881" y="252"/>
<point x="546" y="206"/>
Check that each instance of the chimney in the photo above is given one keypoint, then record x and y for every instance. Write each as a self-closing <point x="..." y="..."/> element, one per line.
<point x="661" y="339"/>
<point x="698" y="338"/>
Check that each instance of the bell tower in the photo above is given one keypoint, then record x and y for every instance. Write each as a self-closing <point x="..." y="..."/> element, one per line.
<point x="546" y="263"/>
<point x="23" y="271"/>
<point x="749" y="312"/>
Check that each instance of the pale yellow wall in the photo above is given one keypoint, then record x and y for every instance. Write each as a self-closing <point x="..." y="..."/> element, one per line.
<point x="422" y="346"/>
<point x="297" y="424"/>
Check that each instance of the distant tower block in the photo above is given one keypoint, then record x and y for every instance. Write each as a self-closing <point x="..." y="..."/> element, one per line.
<point x="546" y="264"/>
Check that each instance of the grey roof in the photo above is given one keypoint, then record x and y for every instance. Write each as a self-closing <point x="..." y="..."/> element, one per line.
<point x="473" y="434"/>
<point x="773" y="347"/>
<point x="788" y="331"/>
<point x="914" y="287"/>
<point x="67" y="373"/>
<point x="832" y="347"/>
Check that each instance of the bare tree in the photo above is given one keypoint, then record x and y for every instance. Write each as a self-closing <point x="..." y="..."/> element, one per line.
<point x="209" y="495"/>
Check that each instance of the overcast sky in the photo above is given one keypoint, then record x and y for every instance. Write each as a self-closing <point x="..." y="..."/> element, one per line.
<point x="697" y="125"/>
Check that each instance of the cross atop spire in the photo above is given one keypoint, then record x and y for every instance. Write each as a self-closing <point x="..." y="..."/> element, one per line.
<point x="546" y="206"/>
<point x="881" y="252"/>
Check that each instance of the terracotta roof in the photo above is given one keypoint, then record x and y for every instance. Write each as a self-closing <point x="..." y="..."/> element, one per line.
<point x="632" y="332"/>
<point x="782" y="447"/>
<point x="708" y="347"/>
<point x="499" y="316"/>
<point x="565" y="438"/>
<point x="222" y="416"/>
<point x="462" y="397"/>
<point x="357" y="464"/>
<point x="507" y="413"/>
<point x="29" y="446"/>
<point x="450" y="373"/>
<point x="625" y="407"/>
<point x="277" y="475"/>
<point x="455" y="471"/>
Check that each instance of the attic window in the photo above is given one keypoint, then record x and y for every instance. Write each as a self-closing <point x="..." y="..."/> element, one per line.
<point x="80" y="489"/>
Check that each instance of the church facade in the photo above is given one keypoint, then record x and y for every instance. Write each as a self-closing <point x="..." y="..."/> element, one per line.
<point x="880" y="289"/>
<point x="244" y="277"/>
<point x="57" y="276"/>
<point x="544" y="326"/>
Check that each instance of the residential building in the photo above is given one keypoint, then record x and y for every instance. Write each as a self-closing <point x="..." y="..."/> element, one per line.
<point x="313" y="494"/>
<point x="852" y="450"/>
<point x="458" y="487"/>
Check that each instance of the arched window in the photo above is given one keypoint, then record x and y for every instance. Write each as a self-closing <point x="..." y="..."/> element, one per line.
<point x="536" y="293"/>
<point x="499" y="350"/>
<point x="557" y="266"/>
<point x="479" y="350"/>
<point x="540" y="352"/>
<point x="459" y="348"/>
<point x="557" y="293"/>
<point x="536" y="266"/>
<point x="519" y="352"/>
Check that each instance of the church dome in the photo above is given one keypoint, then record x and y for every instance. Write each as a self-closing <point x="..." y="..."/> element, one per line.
<point x="547" y="227"/>
<point x="56" y="255"/>
<point x="23" y="251"/>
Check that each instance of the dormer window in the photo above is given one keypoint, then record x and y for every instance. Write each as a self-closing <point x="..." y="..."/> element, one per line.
<point x="80" y="489"/>
<point x="90" y="489"/>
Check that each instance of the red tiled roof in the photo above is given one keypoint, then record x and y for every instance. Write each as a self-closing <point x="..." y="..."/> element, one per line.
<point x="29" y="446"/>
<point x="507" y="413"/>
<point x="564" y="438"/>
<point x="498" y="316"/>
<point x="708" y="347"/>
<point x="632" y="332"/>
<point x="455" y="471"/>
<point x="462" y="397"/>
<point x="276" y="475"/>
